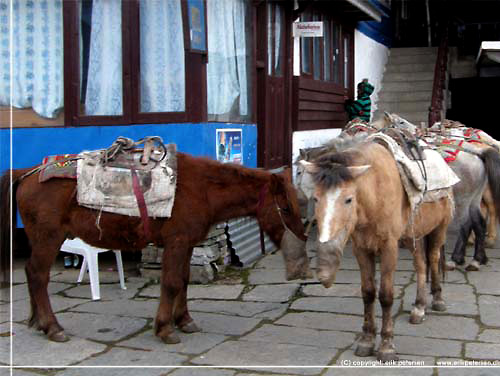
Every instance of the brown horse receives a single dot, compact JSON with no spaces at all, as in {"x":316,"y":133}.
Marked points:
{"x":208,"y":192}
{"x":359,"y":195}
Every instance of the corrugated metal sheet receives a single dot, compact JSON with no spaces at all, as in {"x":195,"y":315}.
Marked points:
{"x":244,"y":236}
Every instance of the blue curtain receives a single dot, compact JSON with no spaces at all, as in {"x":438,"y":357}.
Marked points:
{"x":162,"y":56}
{"x":36,"y":54}
{"x":227,"y":70}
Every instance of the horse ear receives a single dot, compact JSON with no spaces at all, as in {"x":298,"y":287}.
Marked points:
{"x":388,"y":116}
{"x":277,"y":183}
{"x":357,"y":171}
{"x":309,"y":167}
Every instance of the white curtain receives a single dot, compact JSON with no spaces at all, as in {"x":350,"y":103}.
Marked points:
{"x":227,"y":73}
{"x":104,"y":94}
{"x":162,"y":56}
{"x":277,"y":38}
{"x":36,"y":51}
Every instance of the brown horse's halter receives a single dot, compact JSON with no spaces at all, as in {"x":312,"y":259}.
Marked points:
{"x":260,"y":205}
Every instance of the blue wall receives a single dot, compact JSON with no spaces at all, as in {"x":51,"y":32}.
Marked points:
{"x":378,"y":31}
{"x":30,"y":145}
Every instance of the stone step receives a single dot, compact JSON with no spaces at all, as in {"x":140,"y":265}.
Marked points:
{"x":419,"y":106}
{"x":408,"y":76}
{"x":412,"y":117}
{"x":410,"y":67}
{"x":413,"y":51}
{"x":412,"y":59}
{"x":410,"y":96}
{"x":407,"y":86}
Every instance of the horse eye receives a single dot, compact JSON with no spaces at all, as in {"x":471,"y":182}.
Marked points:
{"x":285,"y":210}
{"x":349,"y":200}
{"x":315,"y":199}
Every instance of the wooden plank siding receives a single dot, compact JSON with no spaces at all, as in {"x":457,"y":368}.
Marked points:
{"x":27,"y":118}
{"x":317,"y":105}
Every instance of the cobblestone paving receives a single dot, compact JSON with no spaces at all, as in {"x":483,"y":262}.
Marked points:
{"x":254,"y":323}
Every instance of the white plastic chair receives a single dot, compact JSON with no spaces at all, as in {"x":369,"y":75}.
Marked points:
{"x":90,"y":263}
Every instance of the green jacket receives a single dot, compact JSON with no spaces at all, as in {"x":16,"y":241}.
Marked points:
{"x":361,"y":108}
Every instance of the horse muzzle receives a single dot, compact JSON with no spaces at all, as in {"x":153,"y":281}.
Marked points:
{"x":329,"y":258}
{"x":295,"y":256}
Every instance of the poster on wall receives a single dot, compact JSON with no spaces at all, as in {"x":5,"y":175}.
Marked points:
{"x":228,"y":146}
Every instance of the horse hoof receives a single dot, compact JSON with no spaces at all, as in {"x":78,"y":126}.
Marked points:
{"x":364,"y":349}
{"x":58,"y":337}
{"x":490,"y":242}
{"x":190,"y":327}
{"x":439,"y":306}
{"x":450,"y":265}
{"x":473,"y":266}
{"x":387,"y":356}
{"x":171,"y":339}
{"x":417,"y":316}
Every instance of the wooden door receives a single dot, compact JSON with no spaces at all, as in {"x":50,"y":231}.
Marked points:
{"x":273,"y":112}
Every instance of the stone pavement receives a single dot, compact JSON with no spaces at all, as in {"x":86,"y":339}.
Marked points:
{"x":252,"y":320}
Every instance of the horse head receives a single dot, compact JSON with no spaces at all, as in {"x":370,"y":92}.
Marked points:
{"x":396,"y":121}
{"x":335,"y":208}
{"x":279,"y":216}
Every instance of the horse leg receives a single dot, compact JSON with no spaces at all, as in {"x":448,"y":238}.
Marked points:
{"x":491,"y":214}
{"x":388,"y":261}
{"x":182,"y":318}
{"x":366,"y":344}
{"x":418,"y":312}
{"x":479,"y":226}
{"x":175,"y":256}
{"x":458,"y":256}
{"x":37,"y":270}
{"x":436,"y":240}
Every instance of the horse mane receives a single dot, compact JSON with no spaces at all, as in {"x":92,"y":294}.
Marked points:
{"x":332,"y":168}
{"x":345,"y":141}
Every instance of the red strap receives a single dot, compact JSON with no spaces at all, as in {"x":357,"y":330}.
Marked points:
{"x":141,"y":203}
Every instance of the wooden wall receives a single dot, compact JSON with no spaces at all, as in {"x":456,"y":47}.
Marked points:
{"x":27,"y":118}
{"x":317,"y":105}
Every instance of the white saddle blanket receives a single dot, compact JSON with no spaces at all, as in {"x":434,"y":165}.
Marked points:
{"x":438,"y":175}
{"x":110,"y":188}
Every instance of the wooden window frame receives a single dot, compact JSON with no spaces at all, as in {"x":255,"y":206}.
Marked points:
{"x":340,"y":36}
{"x":195,"y":73}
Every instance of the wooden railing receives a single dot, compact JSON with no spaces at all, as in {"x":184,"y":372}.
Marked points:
{"x":439,"y":80}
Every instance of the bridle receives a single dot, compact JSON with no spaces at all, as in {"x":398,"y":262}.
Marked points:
{"x":260,"y":205}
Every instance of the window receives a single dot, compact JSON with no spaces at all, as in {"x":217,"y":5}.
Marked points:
{"x":305,"y":51}
{"x":275,"y":42}
{"x":37,"y":56}
{"x":131,"y":64}
{"x":328,"y":58}
{"x":229,"y":70}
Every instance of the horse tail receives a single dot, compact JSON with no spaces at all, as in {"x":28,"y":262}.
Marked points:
{"x":8,"y":218}
{"x":491,"y":159}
